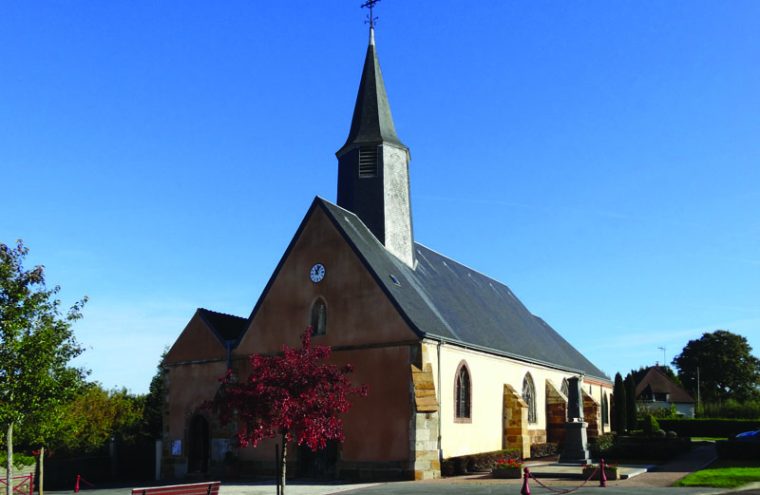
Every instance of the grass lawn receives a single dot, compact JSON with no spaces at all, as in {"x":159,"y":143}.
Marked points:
{"x":722,"y":477}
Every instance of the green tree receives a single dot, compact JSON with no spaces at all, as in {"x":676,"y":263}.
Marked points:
{"x":45,"y":427}
{"x":153,"y":412}
{"x":97,"y":415}
{"x":630,"y":401}
{"x":727,"y":368}
{"x":619,"y":405}
{"x":36,"y":347}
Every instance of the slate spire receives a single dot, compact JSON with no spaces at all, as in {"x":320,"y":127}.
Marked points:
{"x":372,"y":121}
{"x":373,"y":165}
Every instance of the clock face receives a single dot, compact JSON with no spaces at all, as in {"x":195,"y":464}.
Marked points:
{"x":317,"y":273}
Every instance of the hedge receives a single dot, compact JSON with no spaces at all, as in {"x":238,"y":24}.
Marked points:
{"x":735,"y":449}
{"x":473,"y":463}
{"x":641,"y":447}
{"x":709,"y":427}
{"x":548,"y":449}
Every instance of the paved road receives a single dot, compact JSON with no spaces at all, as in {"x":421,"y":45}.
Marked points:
{"x":652,"y":483}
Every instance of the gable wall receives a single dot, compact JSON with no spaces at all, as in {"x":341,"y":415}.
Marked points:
{"x":197,"y":342}
{"x":358,"y":312}
{"x":363,"y":328}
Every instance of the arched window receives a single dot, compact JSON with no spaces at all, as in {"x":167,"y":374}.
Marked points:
{"x":529,"y":396}
{"x":605,"y":409}
{"x":463,"y":393}
{"x":318,"y":320}
{"x":565,"y":387}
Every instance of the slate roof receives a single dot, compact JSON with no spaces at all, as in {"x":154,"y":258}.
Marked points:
{"x":445,"y":300}
{"x":372,"y":122}
{"x":226,"y":327}
{"x":657,"y":382}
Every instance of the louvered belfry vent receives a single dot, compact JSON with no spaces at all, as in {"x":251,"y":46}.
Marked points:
{"x":368,"y":161}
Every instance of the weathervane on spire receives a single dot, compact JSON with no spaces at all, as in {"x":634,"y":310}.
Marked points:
{"x":370,"y":4}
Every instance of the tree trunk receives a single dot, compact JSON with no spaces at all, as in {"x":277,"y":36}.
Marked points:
{"x":9,"y":464}
{"x":283,"y":464}
{"x":41,"y":480}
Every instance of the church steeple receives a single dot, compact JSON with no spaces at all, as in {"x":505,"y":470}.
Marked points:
{"x":373,"y":165}
{"x":372,"y":121}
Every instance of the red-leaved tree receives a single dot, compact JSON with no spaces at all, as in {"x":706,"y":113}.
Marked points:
{"x":295,"y":395}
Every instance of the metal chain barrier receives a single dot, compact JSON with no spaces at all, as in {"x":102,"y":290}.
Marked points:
{"x":526,"y":488}
{"x":80,"y":478}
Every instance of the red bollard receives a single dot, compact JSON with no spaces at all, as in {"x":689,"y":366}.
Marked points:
{"x":602,"y":475}
{"x":76,"y":485}
{"x":525,"y":488}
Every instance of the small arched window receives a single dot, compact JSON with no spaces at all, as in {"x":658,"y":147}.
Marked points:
{"x":529,"y":396}
{"x":318,"y":320}
{"x":565,"y":387}
{"x":605,"y":409}
{"x":463,"y":393}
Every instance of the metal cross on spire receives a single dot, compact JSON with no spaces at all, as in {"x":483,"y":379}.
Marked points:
{"x":370,"y":4}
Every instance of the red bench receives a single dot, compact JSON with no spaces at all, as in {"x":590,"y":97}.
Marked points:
{"x":204,"y":488}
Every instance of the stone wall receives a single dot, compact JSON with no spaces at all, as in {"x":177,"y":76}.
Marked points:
{"x":591,"y":415}
{"x":537,"y":436}
{"x":423,"y":433}
{"x":516,"y":434}
{"x":556,"y":413}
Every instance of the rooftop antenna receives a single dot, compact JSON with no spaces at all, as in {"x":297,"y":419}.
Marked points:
{"x":663,"y":356}
{"x":371,"y":18}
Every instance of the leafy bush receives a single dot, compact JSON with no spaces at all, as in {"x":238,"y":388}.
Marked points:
{"x":543,"y":449}
{"x":601,"y":445}
{"x":658,"y":412}
{"x":650,"y":425}
{"x":20,"y":461}
{"x":649,"y":448}
{"x":472,"y":463}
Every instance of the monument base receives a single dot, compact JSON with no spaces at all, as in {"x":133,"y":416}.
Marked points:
{"x":576,"y":444}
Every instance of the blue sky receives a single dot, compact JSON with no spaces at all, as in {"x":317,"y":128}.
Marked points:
{"x":602,"y":159}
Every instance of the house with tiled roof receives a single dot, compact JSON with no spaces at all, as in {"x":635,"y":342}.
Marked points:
{"x":454,"y":362}
{"x":656,"y":390}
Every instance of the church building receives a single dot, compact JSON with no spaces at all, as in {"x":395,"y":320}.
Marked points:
{"x":454,"y":362}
